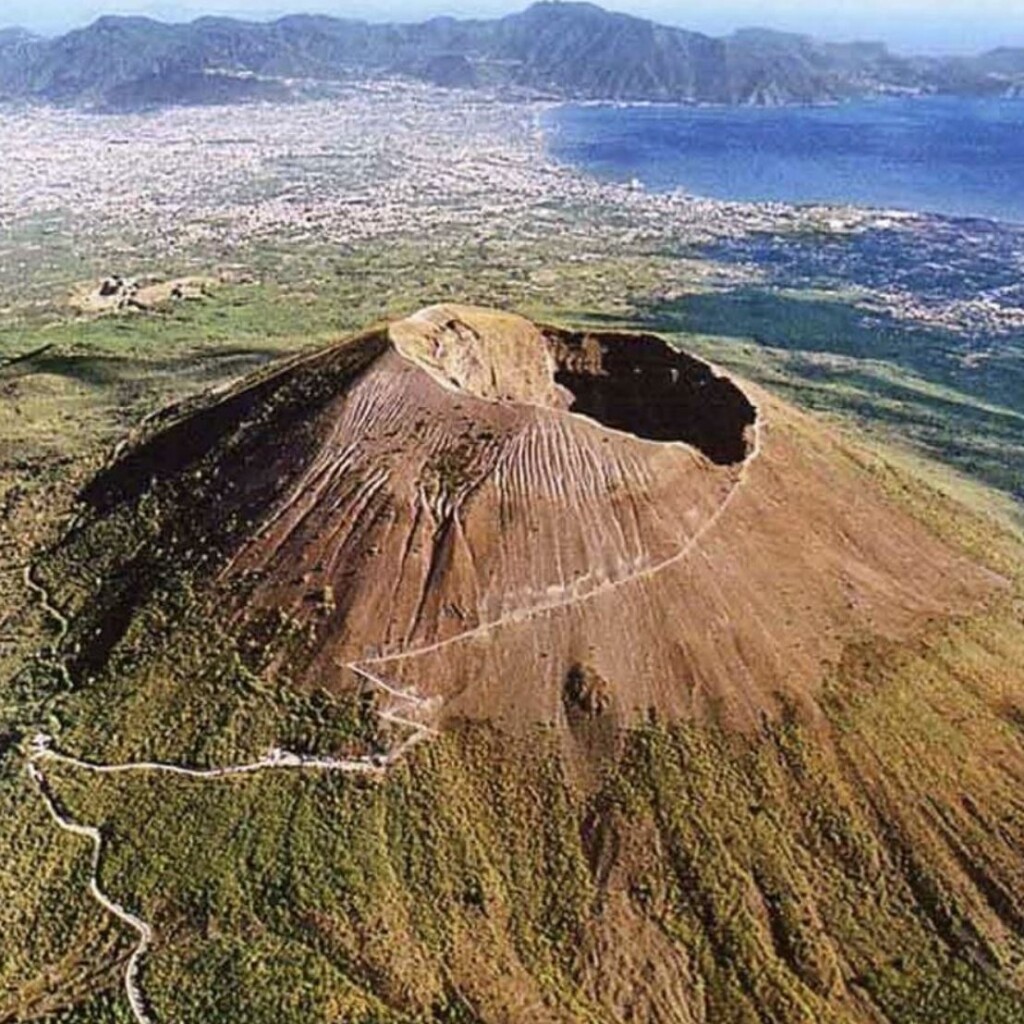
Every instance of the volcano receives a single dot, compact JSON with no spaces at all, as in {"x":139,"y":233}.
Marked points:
{"x":464,"y":501}
{"x":722,"y":715}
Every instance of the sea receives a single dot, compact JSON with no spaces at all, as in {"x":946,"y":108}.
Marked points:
{"x":949,"y":156}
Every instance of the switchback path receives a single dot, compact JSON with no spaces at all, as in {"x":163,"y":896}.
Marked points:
{"x":46,"y":602}
{"x":48,"y":606}
{"x":144,"y":931}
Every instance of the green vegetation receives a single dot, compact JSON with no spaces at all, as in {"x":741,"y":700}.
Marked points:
{"x":796,"y":877}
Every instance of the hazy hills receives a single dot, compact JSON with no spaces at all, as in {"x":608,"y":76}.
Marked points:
{"x":573,"y":50}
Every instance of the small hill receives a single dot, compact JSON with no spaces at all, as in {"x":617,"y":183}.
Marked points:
{"x":1003,"y":61}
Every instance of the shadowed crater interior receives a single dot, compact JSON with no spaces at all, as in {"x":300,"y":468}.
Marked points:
{"x":637,"y":383}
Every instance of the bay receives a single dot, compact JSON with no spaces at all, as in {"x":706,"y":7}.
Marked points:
{"x":946,"y":155}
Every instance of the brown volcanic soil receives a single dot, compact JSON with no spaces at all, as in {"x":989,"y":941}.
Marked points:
{"x":535,"y":525}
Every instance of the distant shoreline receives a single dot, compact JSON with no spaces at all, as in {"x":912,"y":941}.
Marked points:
{"x":597,"y":138}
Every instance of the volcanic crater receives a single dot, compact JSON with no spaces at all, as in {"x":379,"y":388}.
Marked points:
{"x":634,"y":383}
{"x":723,"y":724}
{"x":488,"y":511}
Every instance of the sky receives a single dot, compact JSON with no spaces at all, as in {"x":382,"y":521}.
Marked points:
{"x":918,"y":26}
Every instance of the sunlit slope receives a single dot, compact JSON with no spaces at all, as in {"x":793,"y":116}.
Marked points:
{"x":729,"y":713}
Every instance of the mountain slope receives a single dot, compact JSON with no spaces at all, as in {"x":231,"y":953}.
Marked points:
{"x":507,"y":524}
{"x":565,"y":49}
{"x":729,"y":714}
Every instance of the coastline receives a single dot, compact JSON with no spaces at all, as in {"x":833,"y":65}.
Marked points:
{"x":597,"y":138}
{"x":415,"y":167}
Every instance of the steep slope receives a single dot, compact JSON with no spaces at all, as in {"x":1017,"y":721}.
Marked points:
{"x":485,"y":493}
{"x":18,"y":52}
{"x":729,"y":714}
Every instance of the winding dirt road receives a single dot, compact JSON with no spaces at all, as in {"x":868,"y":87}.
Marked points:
{"x":144,"y":931}
{"x":41,"y":752}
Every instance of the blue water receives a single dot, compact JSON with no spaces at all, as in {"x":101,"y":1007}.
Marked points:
{"x":952,"y":156}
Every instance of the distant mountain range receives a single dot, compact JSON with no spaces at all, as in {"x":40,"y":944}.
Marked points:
{"x":565,"y":50}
